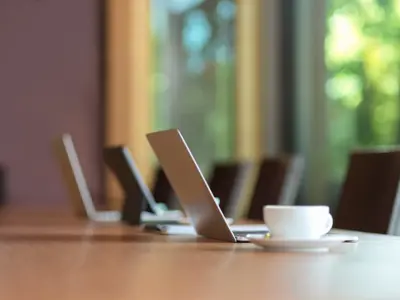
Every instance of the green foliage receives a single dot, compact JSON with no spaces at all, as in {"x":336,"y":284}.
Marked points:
{"x":363,"y":63}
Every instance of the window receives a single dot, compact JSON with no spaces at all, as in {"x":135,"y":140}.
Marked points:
{"x":193,"y":74}
{"x":363,"y":64}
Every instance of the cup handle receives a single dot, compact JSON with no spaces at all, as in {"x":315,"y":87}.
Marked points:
{"x":329,"y":224}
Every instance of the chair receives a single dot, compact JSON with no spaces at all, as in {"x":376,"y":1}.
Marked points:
{"x":369,"y":198}
{"x":277,"y":183}
{"x":3,"y":182}
{"x":162,"y":189}
{"x":227,"y":182}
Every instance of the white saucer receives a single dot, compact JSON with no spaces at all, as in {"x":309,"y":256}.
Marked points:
{"x":325,"y":242}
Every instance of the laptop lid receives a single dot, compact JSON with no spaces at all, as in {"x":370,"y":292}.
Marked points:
{"x":73,"y":175}
{"x":190,"y":185}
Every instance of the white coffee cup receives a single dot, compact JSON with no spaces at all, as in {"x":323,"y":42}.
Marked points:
{"x":297,"y":222}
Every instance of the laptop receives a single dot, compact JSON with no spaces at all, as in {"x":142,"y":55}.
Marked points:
{"x":193,"y":191}
{"x":137,"y":195}
{"x":80,"y":195}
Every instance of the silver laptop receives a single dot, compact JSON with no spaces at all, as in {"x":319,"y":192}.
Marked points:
{"x":193,"y":191}
{"x":83,"y":203}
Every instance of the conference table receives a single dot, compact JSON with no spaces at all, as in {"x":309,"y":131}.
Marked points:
{"x":53,"y":255}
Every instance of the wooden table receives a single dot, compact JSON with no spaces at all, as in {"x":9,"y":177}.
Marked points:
{"x":53,"y":256}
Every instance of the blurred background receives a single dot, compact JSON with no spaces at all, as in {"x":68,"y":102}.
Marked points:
{"x":241,"y":79}
{"x":335,"y":67}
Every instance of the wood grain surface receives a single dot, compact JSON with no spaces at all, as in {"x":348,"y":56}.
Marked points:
{"x":50,"y":255}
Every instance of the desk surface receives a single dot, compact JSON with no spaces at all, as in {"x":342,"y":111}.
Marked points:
{"x":53,"y":256}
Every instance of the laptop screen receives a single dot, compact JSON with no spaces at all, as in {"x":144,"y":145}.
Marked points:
{"x":189,"y":184}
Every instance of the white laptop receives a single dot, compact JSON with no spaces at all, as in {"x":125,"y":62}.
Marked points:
{"x":193,"y":191}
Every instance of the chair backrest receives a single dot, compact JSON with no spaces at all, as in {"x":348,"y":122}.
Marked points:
{"x":162,"y":189}
{"x":369,"y":197}
{"x":277,"y":183}
{"x":67,"y":157}
{"x":227,"y":182}
{"x":2,"y":185}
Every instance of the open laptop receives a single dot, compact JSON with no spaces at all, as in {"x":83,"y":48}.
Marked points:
{"x":80,"y":195}
{"x":193,"y":191}
{"x":137,"y":195}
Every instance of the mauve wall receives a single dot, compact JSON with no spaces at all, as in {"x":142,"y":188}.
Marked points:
{"x":49,"y":84}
